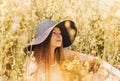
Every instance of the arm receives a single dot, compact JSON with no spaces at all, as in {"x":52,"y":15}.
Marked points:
{"x":28,"y":68}
{"x":110,"y":69}
{"x":94,"y":62}
{"x":69,"y":54}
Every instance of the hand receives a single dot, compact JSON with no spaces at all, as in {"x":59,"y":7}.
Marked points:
{"x":94,"y":65}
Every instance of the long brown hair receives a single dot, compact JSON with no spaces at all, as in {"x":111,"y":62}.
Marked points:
{"x":42,"y":53}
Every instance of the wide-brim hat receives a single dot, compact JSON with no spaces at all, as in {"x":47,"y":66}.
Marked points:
{"x":43,"y":29}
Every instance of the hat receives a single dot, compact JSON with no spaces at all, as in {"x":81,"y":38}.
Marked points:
{"x":43,"y":29}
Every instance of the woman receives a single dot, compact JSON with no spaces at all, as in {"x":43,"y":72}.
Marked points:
{"x":47,"y":48}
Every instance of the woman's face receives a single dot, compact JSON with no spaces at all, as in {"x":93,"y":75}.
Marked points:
{"x":56,"y":38}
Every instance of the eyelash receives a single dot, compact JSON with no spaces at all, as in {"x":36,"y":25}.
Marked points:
{"x":55,"y":33}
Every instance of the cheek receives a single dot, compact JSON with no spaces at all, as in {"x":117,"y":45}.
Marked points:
{"x":52,"y":40}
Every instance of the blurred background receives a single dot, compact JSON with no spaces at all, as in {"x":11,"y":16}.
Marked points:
{"x":97,"y":21}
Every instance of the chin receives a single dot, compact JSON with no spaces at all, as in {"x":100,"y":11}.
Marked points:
{"x":58,"y":45}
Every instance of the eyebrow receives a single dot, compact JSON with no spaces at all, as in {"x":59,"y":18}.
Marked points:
{"x":56,"y":30}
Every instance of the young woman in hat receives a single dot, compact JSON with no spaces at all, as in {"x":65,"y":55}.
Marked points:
{"x":48,"y":50}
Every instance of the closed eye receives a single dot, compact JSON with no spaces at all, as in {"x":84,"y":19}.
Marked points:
{"x":54,"y":32}
{"x":60,"y":33}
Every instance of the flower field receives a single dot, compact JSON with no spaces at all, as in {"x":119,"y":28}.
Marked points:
{"x":97,"y":21}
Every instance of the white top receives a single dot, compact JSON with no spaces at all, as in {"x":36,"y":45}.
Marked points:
{"x":55,"y":73}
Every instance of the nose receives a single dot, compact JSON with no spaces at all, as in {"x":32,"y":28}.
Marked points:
{"x":58,"y":35}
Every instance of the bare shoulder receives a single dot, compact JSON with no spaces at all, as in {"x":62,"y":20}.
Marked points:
{"x":69,"y":54}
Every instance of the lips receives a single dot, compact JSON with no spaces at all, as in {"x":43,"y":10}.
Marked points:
{"x":58,"y":40}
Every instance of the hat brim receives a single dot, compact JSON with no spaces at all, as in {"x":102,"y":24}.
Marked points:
{"x":65,"y":34}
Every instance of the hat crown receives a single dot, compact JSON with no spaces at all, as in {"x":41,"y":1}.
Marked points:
{"x":43,"y":26}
